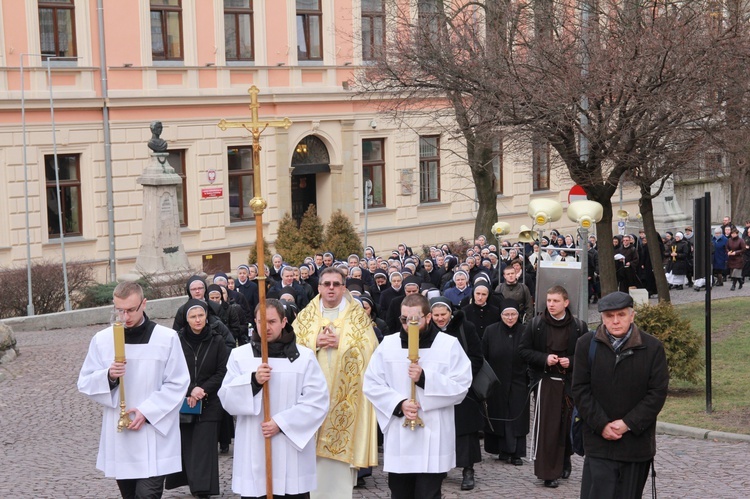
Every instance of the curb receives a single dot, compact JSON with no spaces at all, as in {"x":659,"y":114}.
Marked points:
{"x":699,"y":433}
{"x":163,"y":308}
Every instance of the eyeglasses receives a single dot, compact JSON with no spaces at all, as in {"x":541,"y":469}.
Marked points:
{"x":510,"y":314}
{"x":129,"y":311}
{"x":404,"y":319}
{"x":328,"y":284}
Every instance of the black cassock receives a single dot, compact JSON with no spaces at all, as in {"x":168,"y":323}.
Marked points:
{"x":510,"y":400}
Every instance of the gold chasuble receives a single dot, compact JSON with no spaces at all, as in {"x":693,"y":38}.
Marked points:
{"x":349,"y":432}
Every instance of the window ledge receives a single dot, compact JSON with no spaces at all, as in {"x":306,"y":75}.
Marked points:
{"x":543,"y":192}
{"x":379,"y":210}
{"x":432,"y":204}
{"x":241,"y":223}
{"x":168,"y":64}
{"x":69,"y":240}
{"x":310,"y":63}
{"x":188,"y":231}
{"x":240,"y":64}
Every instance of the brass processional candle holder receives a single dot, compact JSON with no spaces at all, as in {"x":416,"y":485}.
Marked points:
{"x":413,"y":341}
{"x":119,"y":334}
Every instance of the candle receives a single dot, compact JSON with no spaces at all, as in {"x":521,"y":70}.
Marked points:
{"x":413,"y":331}
{"x":119,"y":342}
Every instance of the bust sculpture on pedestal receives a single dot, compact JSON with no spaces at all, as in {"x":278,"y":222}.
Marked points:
{"x":161,"y":253}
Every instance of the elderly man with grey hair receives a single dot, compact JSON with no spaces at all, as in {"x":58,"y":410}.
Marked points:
{"x":620,"y":381}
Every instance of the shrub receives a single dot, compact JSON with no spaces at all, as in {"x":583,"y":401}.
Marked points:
{"x":681,"y":343}
{"x":48,"y":288}
{"x":290,"y":243}
{"x":340,"y":237}
{"x":97,"y":295}
{"x":311,"y":229}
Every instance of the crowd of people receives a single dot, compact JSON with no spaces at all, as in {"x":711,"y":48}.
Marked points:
{"x":339,"y":379}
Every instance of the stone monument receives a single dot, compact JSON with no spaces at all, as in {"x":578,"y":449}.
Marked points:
{"x":161,"y":253}
{"x":668,"y":215}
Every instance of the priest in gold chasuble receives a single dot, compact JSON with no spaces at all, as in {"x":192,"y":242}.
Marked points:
{"x":337,"y":328}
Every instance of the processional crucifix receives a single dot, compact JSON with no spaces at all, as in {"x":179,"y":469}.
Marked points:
{"x":256,"y":127}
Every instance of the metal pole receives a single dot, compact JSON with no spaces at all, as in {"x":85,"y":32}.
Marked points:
{"x":707,"y":261}
{"x":30,"y":304}
{"x":540,"y":235}
{"x":583,"y":303}
{"x":368,"y":190}
{"x":57,"y":184}
{"x":107,"y":144}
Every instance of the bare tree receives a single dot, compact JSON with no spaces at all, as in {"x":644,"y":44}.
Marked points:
{"x":615,"y":88}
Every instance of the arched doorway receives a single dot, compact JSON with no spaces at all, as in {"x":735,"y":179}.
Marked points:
{"x":310,"y":158}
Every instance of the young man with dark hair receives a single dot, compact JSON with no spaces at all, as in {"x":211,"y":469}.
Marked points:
{"x":417,"y":460}
{"x":299,"y":403}
{"x":548,"y":345}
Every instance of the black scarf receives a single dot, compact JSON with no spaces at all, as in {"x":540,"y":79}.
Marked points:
{"x":285,"y":346}
{"x":196,"y":339}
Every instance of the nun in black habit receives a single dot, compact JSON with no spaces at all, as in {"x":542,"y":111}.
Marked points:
{"x":206,"y":354}
{"x":508,"y":407}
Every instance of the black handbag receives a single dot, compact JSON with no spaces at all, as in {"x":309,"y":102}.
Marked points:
{"x":485,"y":381}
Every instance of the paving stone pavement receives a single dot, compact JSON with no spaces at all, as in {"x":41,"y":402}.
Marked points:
{"x":49,"y":436}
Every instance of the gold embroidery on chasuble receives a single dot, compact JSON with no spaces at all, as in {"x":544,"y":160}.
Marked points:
{"x":348,"y":433}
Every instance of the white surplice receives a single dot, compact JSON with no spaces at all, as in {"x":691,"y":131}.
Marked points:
{"x":447,"y":370}
{"x":156,"y":379}
{"x":299,"y":404}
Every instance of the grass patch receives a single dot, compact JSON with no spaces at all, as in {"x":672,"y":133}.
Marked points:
{"x":730,"y":345}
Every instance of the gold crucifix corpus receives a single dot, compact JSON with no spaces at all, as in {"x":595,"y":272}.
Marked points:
{"x":256,"y":127}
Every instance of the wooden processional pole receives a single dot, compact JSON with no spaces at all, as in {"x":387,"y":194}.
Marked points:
{"x":256,"y":127}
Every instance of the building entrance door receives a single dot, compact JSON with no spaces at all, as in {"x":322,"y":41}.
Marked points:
{"x":303,"y":195}
{"x":310,"y":158}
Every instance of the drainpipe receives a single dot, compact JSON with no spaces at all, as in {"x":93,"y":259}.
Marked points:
{"x":107,"y":143}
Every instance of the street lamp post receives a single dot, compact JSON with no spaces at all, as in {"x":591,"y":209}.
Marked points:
{"x":368,"y":190}
{"x":30,"y":304}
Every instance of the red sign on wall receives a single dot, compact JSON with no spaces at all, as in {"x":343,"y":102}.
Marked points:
{"x":212,"y":192}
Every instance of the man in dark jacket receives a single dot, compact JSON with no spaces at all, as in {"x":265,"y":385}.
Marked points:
{"x":618,"y":395}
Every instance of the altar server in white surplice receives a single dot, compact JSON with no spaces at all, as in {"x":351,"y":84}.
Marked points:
{"x":156,"y":378}
{"x":299,"y":404}
{"x":418,"y":460}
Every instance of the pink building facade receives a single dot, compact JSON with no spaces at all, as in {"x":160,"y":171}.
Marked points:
{"x":188,"y":64}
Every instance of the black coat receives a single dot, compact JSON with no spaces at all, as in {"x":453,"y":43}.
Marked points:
{"x":385,"y":300}
{"x":468,"y":413}
{"x":631,"y":386}
{"x":393,"y":315}
{"x":250,"y":291}
{"x":207,"y":364}
{"x":678,"y":264}
{"x":500,"y":347}
{"x":229,"y":316}
{"x":481,"y":317}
